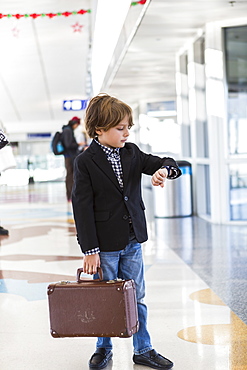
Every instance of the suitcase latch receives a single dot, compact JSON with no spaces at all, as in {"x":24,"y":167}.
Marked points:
{"x":114,"y":281}
{"x":63,"y":282}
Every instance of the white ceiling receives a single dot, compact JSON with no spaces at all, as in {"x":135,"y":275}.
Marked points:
{"x":43,"y":61}
{"x":148,"y":69}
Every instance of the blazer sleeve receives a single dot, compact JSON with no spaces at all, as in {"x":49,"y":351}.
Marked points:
{"x":151,"y":163}
{"x":82,"y":202}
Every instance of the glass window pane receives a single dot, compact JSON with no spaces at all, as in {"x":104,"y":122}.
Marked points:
{"x":236,"y":71}
{"x":199,"y":47}
{"x":237,"y":123}
{"x":203,"y":190}
{"x":238,"y":191}
{"x":184,"y":63}
{"x":236,"y":58}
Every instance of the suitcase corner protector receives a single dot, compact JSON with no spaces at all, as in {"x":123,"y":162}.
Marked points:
{"x":54,"y":334}
{"x":50,"y":289}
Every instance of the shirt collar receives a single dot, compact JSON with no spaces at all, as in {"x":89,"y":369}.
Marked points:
{"x":106,"y":149}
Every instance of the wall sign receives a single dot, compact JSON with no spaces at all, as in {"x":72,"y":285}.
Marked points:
{"x":74,"y":104}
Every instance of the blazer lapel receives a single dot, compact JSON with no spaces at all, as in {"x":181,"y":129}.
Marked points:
{"x":101,"y":161}
{"x":104,"y":165}
{"x":126,"y":159}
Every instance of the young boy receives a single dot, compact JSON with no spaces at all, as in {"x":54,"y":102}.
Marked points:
{"x":109,"y":212}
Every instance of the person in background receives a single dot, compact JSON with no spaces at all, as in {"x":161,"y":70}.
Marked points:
{"x":81,"y":138}
{"x":3,"y":142}
{"x":71,"y":150}
{"x":109,"y":212}
{"x":3,"y":231}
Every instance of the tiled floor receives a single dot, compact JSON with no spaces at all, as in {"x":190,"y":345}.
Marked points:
{"x":196,"y":287}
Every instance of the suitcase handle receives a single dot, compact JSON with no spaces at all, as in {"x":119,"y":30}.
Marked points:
{"x":80,"y":270}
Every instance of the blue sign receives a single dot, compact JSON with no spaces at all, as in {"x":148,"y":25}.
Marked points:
{"x":37,"y":135}
{"x":74,"y":104}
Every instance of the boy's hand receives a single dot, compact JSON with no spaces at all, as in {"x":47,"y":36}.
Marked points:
{"x":159,"y":177}
{"x":91,"y":264}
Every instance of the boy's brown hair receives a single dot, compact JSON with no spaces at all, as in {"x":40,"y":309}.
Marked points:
{"x":104,"y":112}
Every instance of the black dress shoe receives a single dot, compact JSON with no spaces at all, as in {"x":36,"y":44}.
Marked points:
{"x":3,"y":231}
{"x":100,"y":358}
{"x":153,"y":359}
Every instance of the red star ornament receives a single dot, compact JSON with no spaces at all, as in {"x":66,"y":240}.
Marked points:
{"x":15,"y":32}
{"x":77,"y":27}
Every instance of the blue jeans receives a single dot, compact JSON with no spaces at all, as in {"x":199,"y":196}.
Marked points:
{"x":128,"y":264}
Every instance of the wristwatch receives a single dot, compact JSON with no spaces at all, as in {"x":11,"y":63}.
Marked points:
{"x":168,"y":170}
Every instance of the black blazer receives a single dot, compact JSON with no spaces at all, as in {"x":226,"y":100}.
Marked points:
{"x":101,"y":209}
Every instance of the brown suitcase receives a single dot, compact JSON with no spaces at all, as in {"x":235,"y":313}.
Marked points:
{"x":93,"y":308}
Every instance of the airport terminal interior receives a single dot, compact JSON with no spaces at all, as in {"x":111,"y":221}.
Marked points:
{"x":182,"y":67}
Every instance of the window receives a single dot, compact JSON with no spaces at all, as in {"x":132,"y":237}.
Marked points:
{"x":236,"y":71}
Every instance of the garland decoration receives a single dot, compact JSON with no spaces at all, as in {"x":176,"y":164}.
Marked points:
{"x":42,"y":15}
{"x":59,"y":14}
{"x":141,"y":2}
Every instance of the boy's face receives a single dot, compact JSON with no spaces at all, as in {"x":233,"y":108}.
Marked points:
{"x":116,"y":136}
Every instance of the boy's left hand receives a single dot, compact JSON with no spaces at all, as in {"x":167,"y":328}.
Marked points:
{"x":159,"y":177}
